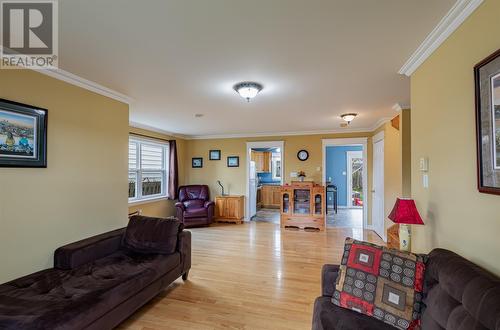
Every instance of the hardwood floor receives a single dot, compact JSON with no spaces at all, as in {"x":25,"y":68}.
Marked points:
{"x":250,"y":276}
{"x":351,"y":218}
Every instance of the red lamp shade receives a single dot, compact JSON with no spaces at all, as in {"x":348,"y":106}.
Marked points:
{"x":405,"y":212}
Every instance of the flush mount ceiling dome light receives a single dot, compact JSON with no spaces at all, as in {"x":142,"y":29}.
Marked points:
{"x":348,"y":117}
{"x":248,"y":90}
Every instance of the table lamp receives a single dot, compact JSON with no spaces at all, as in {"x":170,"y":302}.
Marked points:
{"x":405,"y":213}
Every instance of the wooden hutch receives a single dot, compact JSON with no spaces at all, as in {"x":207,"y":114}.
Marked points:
{"x":303,"y":205}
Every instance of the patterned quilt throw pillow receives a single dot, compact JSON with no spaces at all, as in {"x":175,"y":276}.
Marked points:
{"x":381,"y":282}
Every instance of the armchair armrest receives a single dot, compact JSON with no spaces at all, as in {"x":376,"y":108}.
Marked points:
{"x":209,"y":203}
{"x":329,"y":275}
{"x":180,"y":205}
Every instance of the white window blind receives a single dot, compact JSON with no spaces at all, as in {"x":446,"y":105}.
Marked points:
{"x":148,"y":169}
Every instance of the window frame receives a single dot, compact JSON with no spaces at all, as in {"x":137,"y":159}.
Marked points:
{"x":139,"y":172}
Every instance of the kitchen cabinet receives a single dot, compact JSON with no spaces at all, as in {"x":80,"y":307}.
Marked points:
{"x":271,"y":196}
{"x":229,"y":208}
{"x":259,"y":197}
{"x":262,"y":161}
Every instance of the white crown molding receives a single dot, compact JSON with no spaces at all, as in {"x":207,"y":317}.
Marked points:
{"x":379,"y":123}
{"x":460,"y":11}
{"x":85,"y":83}
{"x":398,"y":107}
{"x":157,"y":130}
{"x":73,"y":79}
{"x":271,"y":134}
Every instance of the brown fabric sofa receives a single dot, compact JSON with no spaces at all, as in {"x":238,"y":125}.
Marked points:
{"x":458,"y":295}
{"x":96,"y":283}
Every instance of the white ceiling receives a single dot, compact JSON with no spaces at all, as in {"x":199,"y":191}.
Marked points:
{"x":316,"y":59}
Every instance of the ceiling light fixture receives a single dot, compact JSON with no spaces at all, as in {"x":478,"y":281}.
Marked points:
{"x":248,"y":90}
{"x":348,"y":117}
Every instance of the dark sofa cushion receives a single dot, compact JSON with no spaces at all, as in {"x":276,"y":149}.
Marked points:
{"x":197,"y":212}
{"x":152,"y":235}
{"x":72,"y":299}
{"x":87,"y":250}
{"x":329,"y":275}
{"x":328,"y":316}
{"x":459,"y":294}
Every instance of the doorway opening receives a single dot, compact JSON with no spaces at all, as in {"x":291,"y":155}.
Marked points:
{"x":345,"y":178}
{"x":264,"y":180}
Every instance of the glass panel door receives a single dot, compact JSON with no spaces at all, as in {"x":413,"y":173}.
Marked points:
{"x":355,"y":179}
{"x":286,"y":203}
{"x":302,"y":204}
{"x":317,"y":204}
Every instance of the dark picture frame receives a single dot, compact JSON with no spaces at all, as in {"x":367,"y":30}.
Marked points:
{"x":487,"y":97}
{"x":233,"y":161}
{"x":214,"y":155}
{"x":197,"y":162}
{"x":23,"y":135}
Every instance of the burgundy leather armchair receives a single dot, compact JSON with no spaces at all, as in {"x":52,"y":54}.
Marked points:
{"x":194,"y":207}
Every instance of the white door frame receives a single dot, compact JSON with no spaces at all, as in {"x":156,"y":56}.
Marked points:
{"x":261,"y":144}
{"x":349,"y":156}
{"x":377,"y":138}
{"x":351,"y":142}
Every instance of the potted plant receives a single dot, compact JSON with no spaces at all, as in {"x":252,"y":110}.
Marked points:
{"x":301,"y":175}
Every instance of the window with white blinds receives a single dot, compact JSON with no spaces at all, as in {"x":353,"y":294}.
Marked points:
{"x":147,"y":169}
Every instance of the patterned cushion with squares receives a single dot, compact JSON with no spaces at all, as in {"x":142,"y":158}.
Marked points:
{"x":381,"y":282}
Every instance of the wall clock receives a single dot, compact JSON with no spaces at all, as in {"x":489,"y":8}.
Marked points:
{"x":303,"y":155}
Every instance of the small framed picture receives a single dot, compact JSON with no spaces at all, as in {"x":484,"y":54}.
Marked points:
{"x":214,"y":155}
{"x":23,"y":135}
{"x":233,"y":161}
{"x":197,"y":162}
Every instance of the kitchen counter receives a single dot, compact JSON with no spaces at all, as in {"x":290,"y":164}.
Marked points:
{"x":269,"y":184}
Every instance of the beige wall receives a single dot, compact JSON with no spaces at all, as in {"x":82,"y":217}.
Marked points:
{"x":82,"y":192}
{"x":163,"y":207}
{"x":234,"y":179}
{"x":456,"y":215}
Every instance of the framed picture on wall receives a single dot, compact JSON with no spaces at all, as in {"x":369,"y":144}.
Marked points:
{"x":214,"y":155}
{"x":233,"y":161}
{"x":197,"y":162}
{"x":487,"y":82}
{"x":23,"y":135}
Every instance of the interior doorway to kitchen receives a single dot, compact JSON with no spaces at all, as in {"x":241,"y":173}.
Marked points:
{"x":264,"y":180}
{"x":345,"y":178}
